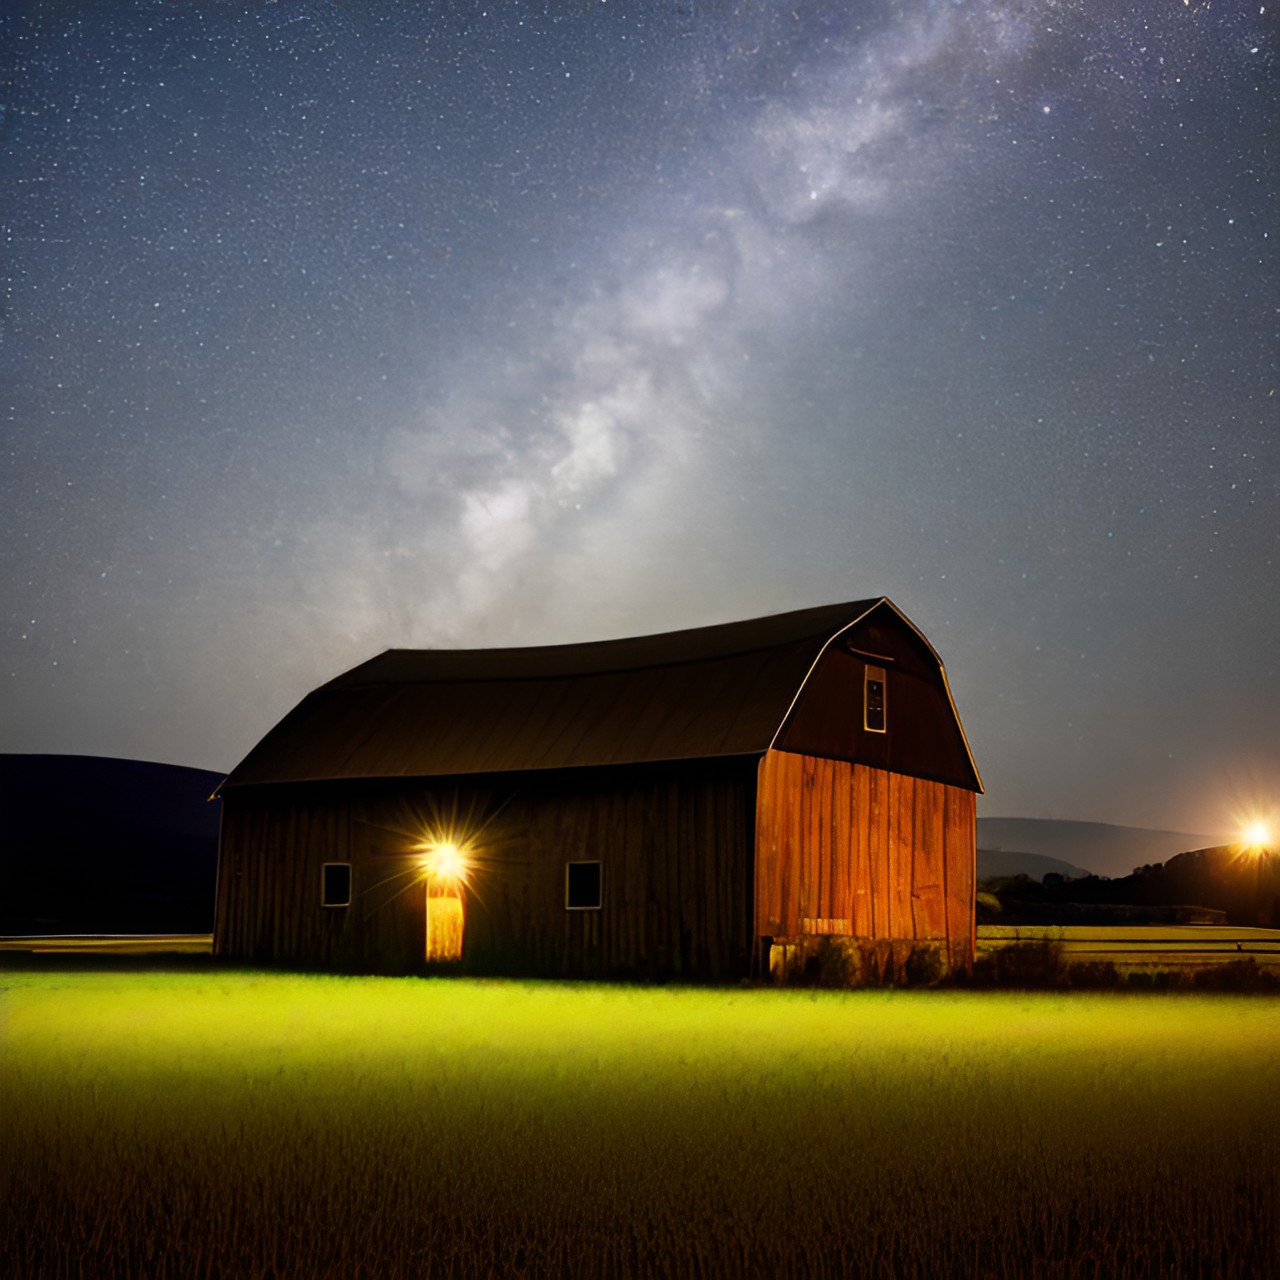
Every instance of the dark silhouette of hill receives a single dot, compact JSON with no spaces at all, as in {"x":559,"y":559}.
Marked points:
{"x":1010,"y":862}
{"x":95,"y":845}
{"x":1226,"y":882}
{"x":1099,"y":847}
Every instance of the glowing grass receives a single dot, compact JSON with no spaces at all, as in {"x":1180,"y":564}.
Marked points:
{"x":249,"y":1124}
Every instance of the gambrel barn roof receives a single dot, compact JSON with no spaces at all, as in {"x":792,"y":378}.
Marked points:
{"x":736,"y":689}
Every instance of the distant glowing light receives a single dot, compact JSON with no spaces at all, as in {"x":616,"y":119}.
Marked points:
{"x":1256,"y":835}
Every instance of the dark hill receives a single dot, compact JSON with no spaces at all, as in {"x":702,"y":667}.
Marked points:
{"x":95,"y":845}
{"x":997,"y":863}
{"x":1101,"y":847}
{"x":1244,"y":887}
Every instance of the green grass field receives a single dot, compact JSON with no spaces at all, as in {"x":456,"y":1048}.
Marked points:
{"x":219,"y":1123}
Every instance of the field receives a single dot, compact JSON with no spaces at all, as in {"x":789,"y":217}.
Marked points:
{"x":1178,"y":953}
{"x":219,"y":1123}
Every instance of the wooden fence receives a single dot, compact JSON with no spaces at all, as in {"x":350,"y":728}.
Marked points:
{"x":1140,"y":948}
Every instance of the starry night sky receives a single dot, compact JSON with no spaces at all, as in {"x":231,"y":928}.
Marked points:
{"x":332,"y":327}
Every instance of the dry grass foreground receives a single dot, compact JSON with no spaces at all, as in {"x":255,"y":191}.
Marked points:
{"x":244,"y":1124}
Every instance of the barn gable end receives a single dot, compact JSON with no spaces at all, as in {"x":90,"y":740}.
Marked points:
{"x":922,"y":736}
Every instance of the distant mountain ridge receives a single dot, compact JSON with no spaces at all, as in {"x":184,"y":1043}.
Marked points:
{"x":1005,"y":862}
{"x":1098,"y":848}
{"x":1226,"y":884}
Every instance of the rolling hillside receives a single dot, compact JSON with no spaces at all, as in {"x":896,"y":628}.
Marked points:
{"x":95,"y":845}
{"x":1085,"y":847}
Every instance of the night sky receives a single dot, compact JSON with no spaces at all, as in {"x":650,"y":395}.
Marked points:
{"x":333,"y":327}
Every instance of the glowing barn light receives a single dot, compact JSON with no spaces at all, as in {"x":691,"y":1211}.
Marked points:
{"x":445,"y":866}
{"x":445,"y":860}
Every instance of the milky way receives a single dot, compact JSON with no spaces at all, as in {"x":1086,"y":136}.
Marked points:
{"x":334,"y":328}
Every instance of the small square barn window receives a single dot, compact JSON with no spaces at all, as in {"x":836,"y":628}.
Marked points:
{"x":873,"y":700}
{"x":335,"y":884}
{"x":582,"y":886}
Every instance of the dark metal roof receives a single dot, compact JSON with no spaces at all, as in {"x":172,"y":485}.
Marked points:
{"x":708,"y":692}
{"x":669,"y":648}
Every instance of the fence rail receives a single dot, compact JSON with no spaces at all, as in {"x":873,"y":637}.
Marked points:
{"x":112,"y":944}
{"x":1140,"y":946}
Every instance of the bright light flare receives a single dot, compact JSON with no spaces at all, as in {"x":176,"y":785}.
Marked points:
{"x":1256,"y":835}
{"x":445,"y":860}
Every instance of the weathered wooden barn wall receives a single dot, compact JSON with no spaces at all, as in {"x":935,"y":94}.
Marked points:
{"x":846,"y":850}
{"x":269,"y":876}
{"x":675,"y":854}
{"x":674,"y":848}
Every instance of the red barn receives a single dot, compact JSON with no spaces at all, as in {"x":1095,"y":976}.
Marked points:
{"x":702,"y":805}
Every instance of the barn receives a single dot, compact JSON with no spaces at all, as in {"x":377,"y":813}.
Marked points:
{"x":753,"y":798}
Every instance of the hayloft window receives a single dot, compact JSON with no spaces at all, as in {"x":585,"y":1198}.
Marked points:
{"x":873,"y":700}
{"x":335,"y":884}
{"x":582,"y":882}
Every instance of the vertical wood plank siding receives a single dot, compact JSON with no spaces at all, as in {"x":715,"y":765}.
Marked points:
{"x":675,"y":880}
{"x":960,"y":832}
{"x":268,"y":907}
{"x":850,"y":850}
{"x":674,"y":848}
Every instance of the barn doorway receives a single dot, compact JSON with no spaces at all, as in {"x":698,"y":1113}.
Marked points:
{"x":446,"y":922}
